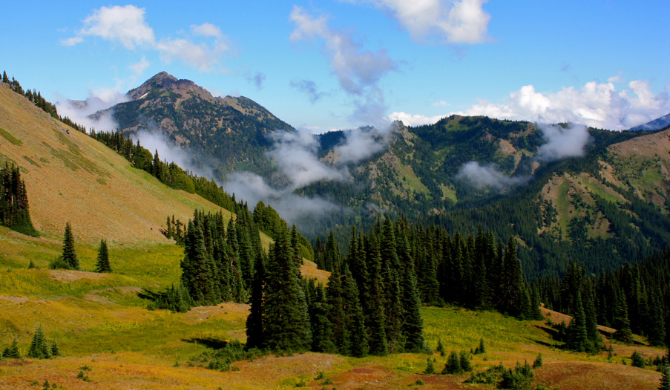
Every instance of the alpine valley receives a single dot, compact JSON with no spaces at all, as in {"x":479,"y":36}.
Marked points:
{"x":254,"y":255}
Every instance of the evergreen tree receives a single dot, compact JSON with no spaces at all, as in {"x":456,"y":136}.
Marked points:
{"x":656,"y":323}
{"x":430,"y":367}
{"x":453,"y":365}
{"x":285,"y":325}
{"x":665,"y":378}
{"x":102,"y":266}
{"x":255,"y":329}
{"x":39,"y":348}
{"x":322,"y":329}
{"x":513,"y":285}
{"x":621,"y":322}
{"x":69,"y":254}
{"x":465,"y":361}
{"x":12,"y":352}
{"x":412,"y":325}
{"x":577,"y":335}
{"x":374,"y":306}
{"x":440,"y":348}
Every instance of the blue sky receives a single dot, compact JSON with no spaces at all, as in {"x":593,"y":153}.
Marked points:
{"x":327,"y":65}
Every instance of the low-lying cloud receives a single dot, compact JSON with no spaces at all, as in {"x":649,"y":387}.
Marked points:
{"x":562,"y":142}
{"x":488,"y":175}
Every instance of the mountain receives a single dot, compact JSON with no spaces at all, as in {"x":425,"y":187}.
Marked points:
{"x":603,"y":208}
{"x":566,"y":192}
{"x":656,"y":124}
{"x":224,"y":133}
{"x":71,"y":177}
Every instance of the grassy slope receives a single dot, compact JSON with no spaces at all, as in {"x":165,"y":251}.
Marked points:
{"x":62,"y":170}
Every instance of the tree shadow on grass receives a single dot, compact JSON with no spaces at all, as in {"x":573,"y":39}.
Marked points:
{"x":208,"y":342}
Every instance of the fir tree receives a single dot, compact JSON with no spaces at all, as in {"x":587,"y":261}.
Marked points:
{"x":412,"y":324}
{"x":12,"y":352}
{"x":538,"y":361}
{"x":577,"y":335}
{"x":440,"y":348}
{"x":285,"y":325}
{"x":621,"y":322}
{"x":39,"y":348}
{"x":665,"y":378}
{"x":453,"y":365}
{"x":255,"y":330}
{"x":102,"y":266}
{"x":69,"y":255}
{"x":513,"y":285}
{"x":430,"y":367}
{"x":465,"y":361}
{"x":322,"y":329}
{"x":374,"y":306}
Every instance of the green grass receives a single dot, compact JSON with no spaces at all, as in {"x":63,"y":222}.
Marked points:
{"x":410,"y":180}
{"x":600,"y":191}
{"x":10,"y":137}
{"x":448,"y":192}
{"x":563,"y":206}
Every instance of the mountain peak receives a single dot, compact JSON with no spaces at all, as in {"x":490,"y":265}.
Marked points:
{"x":166,"y":81}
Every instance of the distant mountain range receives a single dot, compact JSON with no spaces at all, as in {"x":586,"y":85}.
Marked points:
{"x":565,"y":192}
{"x":656,"y":124}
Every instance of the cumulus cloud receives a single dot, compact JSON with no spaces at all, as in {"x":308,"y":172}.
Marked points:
{"x":488,"y":176}
{"x":562,"y":142}
{"x":414,"y":119}
{"x":309,"y":88}
{"x":197,"y":55}
{"x":360,"y":144}
{"x":207,"y":30}
{"x":598,"y":105}
{"x":450,"y":21}
{"x":358,"y":71}
{"x":127,"y":26}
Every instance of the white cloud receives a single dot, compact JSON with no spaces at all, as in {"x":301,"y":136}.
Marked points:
{"x":355,"y":68}
{"x":295,"y":155}
{"x":598,"y":105}
{"x":414,"y":119}
{"x":358,"y":70}
{"x":117,"y":24}
{"x":451,"y":21}
{"x":488,"y":175}
{"x":127,"y":26}
{"x":440,"y":103}
{"x":562,"y":142}
{"x":200,"y":56}
{"x":617,"y":79}
{"x":140,"y":67}
{"x":207,"y":30}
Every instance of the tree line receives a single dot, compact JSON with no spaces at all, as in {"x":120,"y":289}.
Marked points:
{"x":36,"y":98}
{"x":477,"y":271}
{"x":632,"y":299}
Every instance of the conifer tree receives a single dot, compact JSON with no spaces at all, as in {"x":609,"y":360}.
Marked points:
{"x":285,"y":324}
{"x":255,"y":329}
{"x":665,"y":378}
{"x":358,"y":338}
{"x":12,"y":352}
{"x":322,"y":329}
{"x":374,"y":307}
{"x":656,"y":323}
{"x":393,"y":294}
{"x":465,"y":361}
{"x":69,"y":254}
{"x":453,"y":365}
{"x":430,"y":367}
{"x":39,"y":348}
{"x":621,"y":322}
{"x":577,"y":335}
{"x":412,"y":324}
{"x":512,"y":282}
{"x":103,"y":266}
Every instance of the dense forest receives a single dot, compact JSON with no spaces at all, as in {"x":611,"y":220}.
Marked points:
{"x":634,"y":298}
